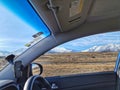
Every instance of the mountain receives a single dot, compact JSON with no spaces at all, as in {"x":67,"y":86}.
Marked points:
{"x":19,"y":51}
{"x":59,"y":50}
{"x":104,"y":48}
{"x":4,"y":53}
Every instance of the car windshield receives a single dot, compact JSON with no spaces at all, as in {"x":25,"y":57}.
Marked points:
{"x":20,"y":28}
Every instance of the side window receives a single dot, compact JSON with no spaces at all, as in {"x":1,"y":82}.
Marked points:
{"x":96,"y":53}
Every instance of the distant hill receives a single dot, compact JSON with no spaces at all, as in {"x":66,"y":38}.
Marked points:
{"x":19,"y":51}
{"x":4,"y":53}
{"x":104,"y":48}
{"x":59,"y":50}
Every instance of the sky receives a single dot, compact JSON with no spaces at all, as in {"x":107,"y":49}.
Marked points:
{"x":93,"y":40}
{"x":17,"y":25}
{"x":15,"y":32}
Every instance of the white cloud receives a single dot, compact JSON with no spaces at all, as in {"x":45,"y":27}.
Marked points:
{"x":14,"y":32}
{"x":104,"y":38}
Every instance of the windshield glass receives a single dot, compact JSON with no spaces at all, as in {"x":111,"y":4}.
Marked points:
{"x":20,"y":28}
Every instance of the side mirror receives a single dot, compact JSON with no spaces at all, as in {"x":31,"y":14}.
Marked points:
{"x":36,"y":68}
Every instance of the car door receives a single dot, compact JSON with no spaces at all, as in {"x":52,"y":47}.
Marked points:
{"x":66,"y":68}
{"x":94,"y":81}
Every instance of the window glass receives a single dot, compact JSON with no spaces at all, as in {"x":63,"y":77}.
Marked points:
{"x":94,"y":53}
{"x":20,"y":28}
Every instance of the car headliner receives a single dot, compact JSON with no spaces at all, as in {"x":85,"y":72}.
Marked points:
{"x":97,"y":16}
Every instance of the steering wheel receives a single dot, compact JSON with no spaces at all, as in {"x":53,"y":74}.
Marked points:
{"x":37,"y":83}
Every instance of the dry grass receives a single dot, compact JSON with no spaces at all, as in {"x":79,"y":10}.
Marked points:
{"x":74,"y":63}
{"x":2,"y":62}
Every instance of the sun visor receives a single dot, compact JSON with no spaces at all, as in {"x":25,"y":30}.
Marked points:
{"x":70,"y":13}
{"x":67,"y":13}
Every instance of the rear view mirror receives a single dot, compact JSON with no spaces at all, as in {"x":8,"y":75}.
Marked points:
{"x":37,"y":69}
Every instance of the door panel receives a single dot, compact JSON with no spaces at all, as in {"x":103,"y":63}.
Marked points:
{"x":93,"y":81}
{"x":8,"y":85}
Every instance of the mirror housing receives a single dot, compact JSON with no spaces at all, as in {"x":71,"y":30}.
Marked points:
{"x":36,"y":69}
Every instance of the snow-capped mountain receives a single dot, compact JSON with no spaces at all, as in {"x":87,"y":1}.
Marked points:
{"x":105,"y":48}
{"x":60,"y":50}
{"x":4,"y":53}
{"x":19,"y":51}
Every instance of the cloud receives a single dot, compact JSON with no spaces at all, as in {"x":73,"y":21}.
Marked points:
{"x":23,"y":33}
{"x":60,"y":50}
{"x":93,"y":40}
{"x":14,"y":33}
{"x":104,"y":38}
